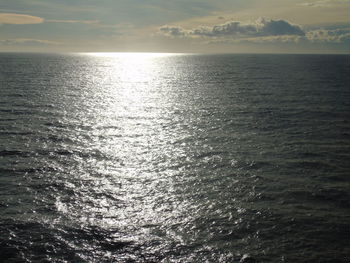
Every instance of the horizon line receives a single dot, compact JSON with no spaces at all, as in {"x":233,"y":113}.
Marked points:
{"x":176,"y":53}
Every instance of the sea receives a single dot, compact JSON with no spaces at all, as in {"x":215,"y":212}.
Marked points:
{"x":147,"y":157}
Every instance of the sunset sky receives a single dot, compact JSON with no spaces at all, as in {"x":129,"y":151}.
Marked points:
{"x":234,"y":26}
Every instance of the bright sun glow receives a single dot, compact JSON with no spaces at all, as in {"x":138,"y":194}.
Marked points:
{"x":139,"y":55}
{"x":132,"y":74}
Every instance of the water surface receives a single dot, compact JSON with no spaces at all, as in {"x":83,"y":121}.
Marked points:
{"x":174,"y":158}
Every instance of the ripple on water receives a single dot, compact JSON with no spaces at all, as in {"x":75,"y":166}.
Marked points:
{"x":177,"y":158}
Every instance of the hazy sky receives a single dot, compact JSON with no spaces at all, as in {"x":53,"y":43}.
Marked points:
{"x":316,"y":26}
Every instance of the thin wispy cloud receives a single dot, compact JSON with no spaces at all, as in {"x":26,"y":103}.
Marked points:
{"x":24,"y":19}
{"x":325,"y":3}
{"x":27,"y":41}
{"x":73,"y":21}
{"x":19,"y":19}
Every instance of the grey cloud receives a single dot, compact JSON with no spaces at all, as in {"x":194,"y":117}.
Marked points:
{"x":330,"y":36}
{"x":173,"y":31}
{"x":324,"y":3}
{"x":279,"y":27}
{"x":345,"y":38}
{"x":315,"y":4}
{"x":285,"y":39}
{"x":274,"y":39}
{"x":260,"y":28}
{"x":231,"y":28}
{"x":335,"y":36}
{"x":27,"y":42}
{"x":261,"y":31}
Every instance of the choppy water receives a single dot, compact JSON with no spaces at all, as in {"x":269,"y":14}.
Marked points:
{"x":174,"y":158}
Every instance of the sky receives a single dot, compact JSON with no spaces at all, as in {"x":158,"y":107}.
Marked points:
{"x":194,"y":26}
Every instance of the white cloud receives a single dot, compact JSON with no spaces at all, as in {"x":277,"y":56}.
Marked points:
{"x":19,"y":19}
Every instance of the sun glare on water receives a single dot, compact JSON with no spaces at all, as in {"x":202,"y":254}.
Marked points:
{"x":136,"y":55}
{"x":133,"y":70}
{"x":130,"y":102}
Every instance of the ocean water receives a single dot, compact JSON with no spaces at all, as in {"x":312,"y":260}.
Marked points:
{"x":174,"y":158}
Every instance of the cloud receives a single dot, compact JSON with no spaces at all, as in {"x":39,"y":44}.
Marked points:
{"x":324,"y":3}
{"x":279,"y":28}
{"x":345,"y":38}
{"x":27,"y":42}
{"x":261,"y":31}
{"x":173,"y":31}
{"x":286,"y":39}
{"x":329,"y":36}
{"x":315,"y":4}
{"x":260,"y":28}
{"x":74,"y":21}
{"x":274,"y":39}
{"x":19,"y":19}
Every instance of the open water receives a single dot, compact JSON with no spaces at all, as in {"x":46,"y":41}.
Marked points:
{"x":174,"y":158}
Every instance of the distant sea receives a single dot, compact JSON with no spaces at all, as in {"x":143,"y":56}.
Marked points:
{"x":174,"y":158}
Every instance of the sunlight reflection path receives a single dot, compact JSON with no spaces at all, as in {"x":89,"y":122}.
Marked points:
{"x":131,"y":184}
